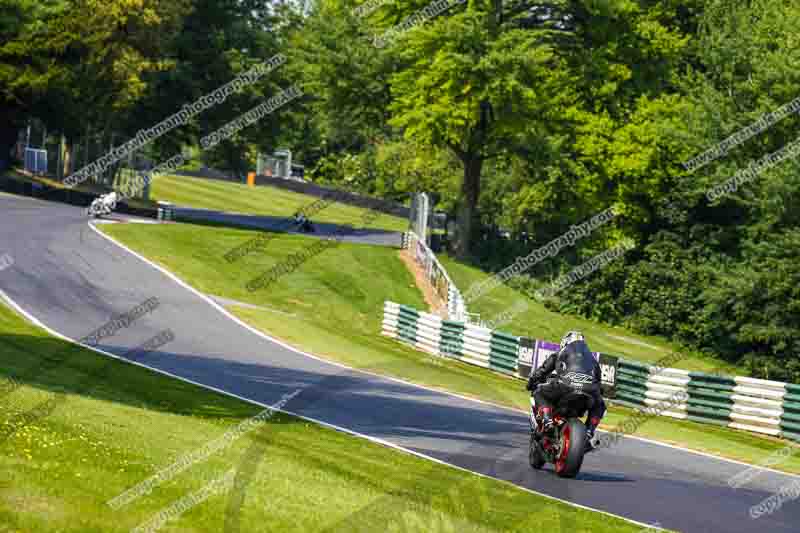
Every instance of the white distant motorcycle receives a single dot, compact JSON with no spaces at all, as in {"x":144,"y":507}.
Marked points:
{"x":103,"y":205}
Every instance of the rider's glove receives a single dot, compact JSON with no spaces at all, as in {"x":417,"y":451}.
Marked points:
{"x":531,"y":384}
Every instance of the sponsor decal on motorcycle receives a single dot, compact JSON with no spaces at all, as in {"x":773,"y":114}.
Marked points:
{"x":576,"y":378}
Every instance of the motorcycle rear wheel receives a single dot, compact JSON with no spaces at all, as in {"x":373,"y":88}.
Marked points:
{"x":570,"y":457}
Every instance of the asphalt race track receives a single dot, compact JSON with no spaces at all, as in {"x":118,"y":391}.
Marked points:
{"x":322,"y":229}
{"x":73,"y":280}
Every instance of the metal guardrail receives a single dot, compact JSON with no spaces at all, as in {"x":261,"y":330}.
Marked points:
{"x":437,"y":276}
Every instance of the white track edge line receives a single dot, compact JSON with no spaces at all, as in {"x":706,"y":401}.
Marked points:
{"x":370,"y":438}
{"x":390,"y":378}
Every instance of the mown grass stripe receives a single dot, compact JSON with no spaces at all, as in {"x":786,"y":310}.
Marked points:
{"x":706,"y":420}
{"x":702,"y":377}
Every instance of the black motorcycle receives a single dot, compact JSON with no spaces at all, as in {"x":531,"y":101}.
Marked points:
{"x":565,"y":443}
{"x":307,"y":227}
{"x":303,"y":224}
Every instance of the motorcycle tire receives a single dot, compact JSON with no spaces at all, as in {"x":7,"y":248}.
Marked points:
{"x":570,"y":456}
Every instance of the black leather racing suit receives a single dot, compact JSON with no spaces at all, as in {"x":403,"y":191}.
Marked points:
{"x":570,"y":367}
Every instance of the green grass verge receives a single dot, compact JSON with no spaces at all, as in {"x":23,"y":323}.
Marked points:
{"x":262,"y":200}
{"x":116,"y":424}
{"x":335,"y":305}
{"x":540,"y":323}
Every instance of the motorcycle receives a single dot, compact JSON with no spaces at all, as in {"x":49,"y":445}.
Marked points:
{"x":307,"y":227}
{"x":102,"y":205}
{"x":304,"y":224}
{"x":565,"y":444}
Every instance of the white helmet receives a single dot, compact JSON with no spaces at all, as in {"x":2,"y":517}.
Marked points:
{"x":570,"y":337}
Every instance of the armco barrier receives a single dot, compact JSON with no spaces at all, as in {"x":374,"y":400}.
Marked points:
{"x":400,"y":322}
{"x":710,"y":398}
{"x":477,"y":345}
{"x":451,"y":339}
{"x":755,"y":405}
{"x":390,"y":322}
{"x":790,"y":419}
{"x":503,"y":350}
{"x":407,"y":324}
{"x":632,"y":383}
{"x":428,"y":337}
{"x":437,"y":276}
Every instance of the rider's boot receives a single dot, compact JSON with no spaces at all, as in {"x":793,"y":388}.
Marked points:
{"x":591,"y":442}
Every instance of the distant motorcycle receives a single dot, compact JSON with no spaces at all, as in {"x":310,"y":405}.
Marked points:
{"x":565,"y":444}
{"x":304,"y":224}
{"x":102,"y":205}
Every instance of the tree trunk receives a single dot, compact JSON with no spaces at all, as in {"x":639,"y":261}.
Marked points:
{"x":8,"y":135}
{"x":468,"y":210}
{"x":67,"y":151}
{"x":8,"y":139}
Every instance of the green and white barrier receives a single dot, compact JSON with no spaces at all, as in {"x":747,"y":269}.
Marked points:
{"x":477,"y":345}
{"x":428,"y":333}
{"x":755,"y":405}
{"x":451,"y":339}
{"x":710,"y":398}
{"x":790,"y":418}
{"x":632,"y":383}
{"x":400,"y":322}
{"x":668,"y":387}
{"x":503,"y":350}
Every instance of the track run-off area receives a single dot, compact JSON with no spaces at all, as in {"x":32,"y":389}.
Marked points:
{"x":71,"y":278}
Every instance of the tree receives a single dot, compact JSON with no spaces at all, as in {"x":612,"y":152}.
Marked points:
{"x":474,"y":87}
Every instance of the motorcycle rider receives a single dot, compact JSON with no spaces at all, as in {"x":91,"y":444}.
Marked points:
{"x":300,"y":220}
{"x":110,"y":201}
{"x":104,"y":204}
{"x":572,"y":367}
